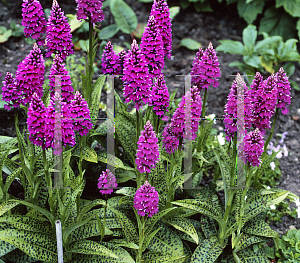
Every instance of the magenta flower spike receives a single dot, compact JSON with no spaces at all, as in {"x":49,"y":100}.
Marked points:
{"x":81,"y":114}
{"x":10,"y":93}
{"x":30,"y":75}
{"x":234,"y":103}
{"x":152,"y":47}
{"x":170,"y":141}
{"x":148,"y":151}
{"x":160,"y":98}
{"x":146,"y":200}
{"x":197,"y":70}
{"x":196,"y":110}
{"x":106,"y":182}
{"x":58,"y":70}
{"x":110,"y":61}
{"x":91,"y":9}
{"x":160,"y":11}
{"x":253,"y":147}
{"x":178,"y":120}
{"x":136,"y":77}
{"x":34,"y":21}
{"x":58,"y":35}
{"x":264,"y":100}
{"x":37,"y":121}
{"x":284,"y":94}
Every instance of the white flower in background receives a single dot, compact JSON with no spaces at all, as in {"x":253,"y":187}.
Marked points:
{"x":273,"y":207}
{"x":285,"y":151}
{"x":268,"y":187}
{"x":283,"y":137}
{"x":212,"y":117}
{"x":272,"y":164}
{"x":297,"y":202}
{"x":221,"y":138}
{"x":245,"y":197}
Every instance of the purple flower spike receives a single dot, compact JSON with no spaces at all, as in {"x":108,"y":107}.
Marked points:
{"x":33,"y":21}
{"x":146,"y":200}
{"x":160,"y":11}
{"x":196,"y":110}
{"x":91,"y":9}
{"x":30,"y":75}
{"x":264,"y":101}
{"x":136,"y":77}
{"x":197,"y":70}
{"x":284,"y":94}
{"x":81,"y":114}
{"x":58,"y":36}
{"x":235,"y":103}
{"x":148,"y":151}
{"x":170,"y":141}
{"x":59,"y":69}
{"x":152,"y":47}
{"x":253,"y":147}
{"x":37,"y":121}
{"x":10,"y":93}
{"x":161,"y":99}
{"x":110,"y":61}
{"x":106,"y":182}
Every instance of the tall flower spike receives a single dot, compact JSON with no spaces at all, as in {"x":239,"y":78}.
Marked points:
{"x":148,"y":151}
{"x":58,"y":70}
{"x":197,"y":70}
{"x":58,"y":36}
{"x":110,"y":61}
{"x":10,"y":93}
{"x":152,"y":47}
{"x":253,"y":147}
{"x":81,"y":114}
{"x":234,"y":101}
{"x":33,"y":21}
{"x":136,"y":77}
{"x":90,"y":8}
{"x":170,"y":141}
{"x":160,"y":97}
{"x":146,"y":200}
{"x":284,"y":94}
{"x":106,"y":182}
{"x":160,"y":11}
{"x":30,"y":75}
{"x":264,"y":101}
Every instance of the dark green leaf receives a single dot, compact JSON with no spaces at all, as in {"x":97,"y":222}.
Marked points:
{"x":190,"y":43}
{"x":249,"y":11}
{"x":232,"y":47}
{"x":291,"y":6}
{"x":109,"y":31}
{"x":249,"y":37}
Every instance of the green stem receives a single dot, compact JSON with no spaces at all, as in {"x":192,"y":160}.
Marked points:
{"x":141,"y":241}
{"x":48,"y":180}
{"x":103,"y":234}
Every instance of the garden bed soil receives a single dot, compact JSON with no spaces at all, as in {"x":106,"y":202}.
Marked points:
{"x":202,"y":27}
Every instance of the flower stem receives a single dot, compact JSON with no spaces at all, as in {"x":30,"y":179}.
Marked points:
{"x":141,"y":240}
{"x":48,"y":180}
{"x":105,"y":207}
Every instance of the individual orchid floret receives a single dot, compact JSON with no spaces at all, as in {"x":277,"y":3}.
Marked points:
{"x":58,"y":35}
{"x":264,"y":101}
{"x":90,"y":9}
{"x":146,"y":200}
{"x":170,"y":141}
{"x":283,"y":89}
{"x":33,"y":21}
{"x":110,"y":61}
{"x":30,"y":75}
{"x":161,"y":13}
{"x":253,"y":147}
{"x":136,"y":77}
{"x":37,"y":121}
{"x":81,"y":114}
{"x":197,"y":70}
{"x":152,"y":47}
{"x":148,"y":150}
{"x":106,"y":182}
{"x":59,"y":74}
{"x":10,"y":93}
{"x":238,"y":108}
{"x":160,"y":98}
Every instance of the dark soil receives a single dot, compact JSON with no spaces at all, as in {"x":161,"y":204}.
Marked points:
{"x":202,"y":27}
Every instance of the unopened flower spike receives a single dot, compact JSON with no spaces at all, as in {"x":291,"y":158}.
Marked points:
{"x":91,"y":9}
{"x":106,"y":182}
{"x":110,"y":61}
{"x":146,"y":200}
{"x":152,"y":47}
{"x":283,"y":89}
{"x":137,"y":84}
{"x":34,"y":21}
{"x":59,"y":73}
{"x":58,"y":35}
{"x":148,"y":150}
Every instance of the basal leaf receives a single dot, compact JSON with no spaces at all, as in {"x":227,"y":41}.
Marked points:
{"x":97,"y":90}
{"x":246,"y":241}
{"x":250,"y":256}
{"x":249,"y":37}
{"x":156,"y":257}
{"x":89,"y":154}
{"x":208,"y":226}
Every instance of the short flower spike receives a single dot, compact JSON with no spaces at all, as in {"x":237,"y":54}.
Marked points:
{"x":106,"y":182}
